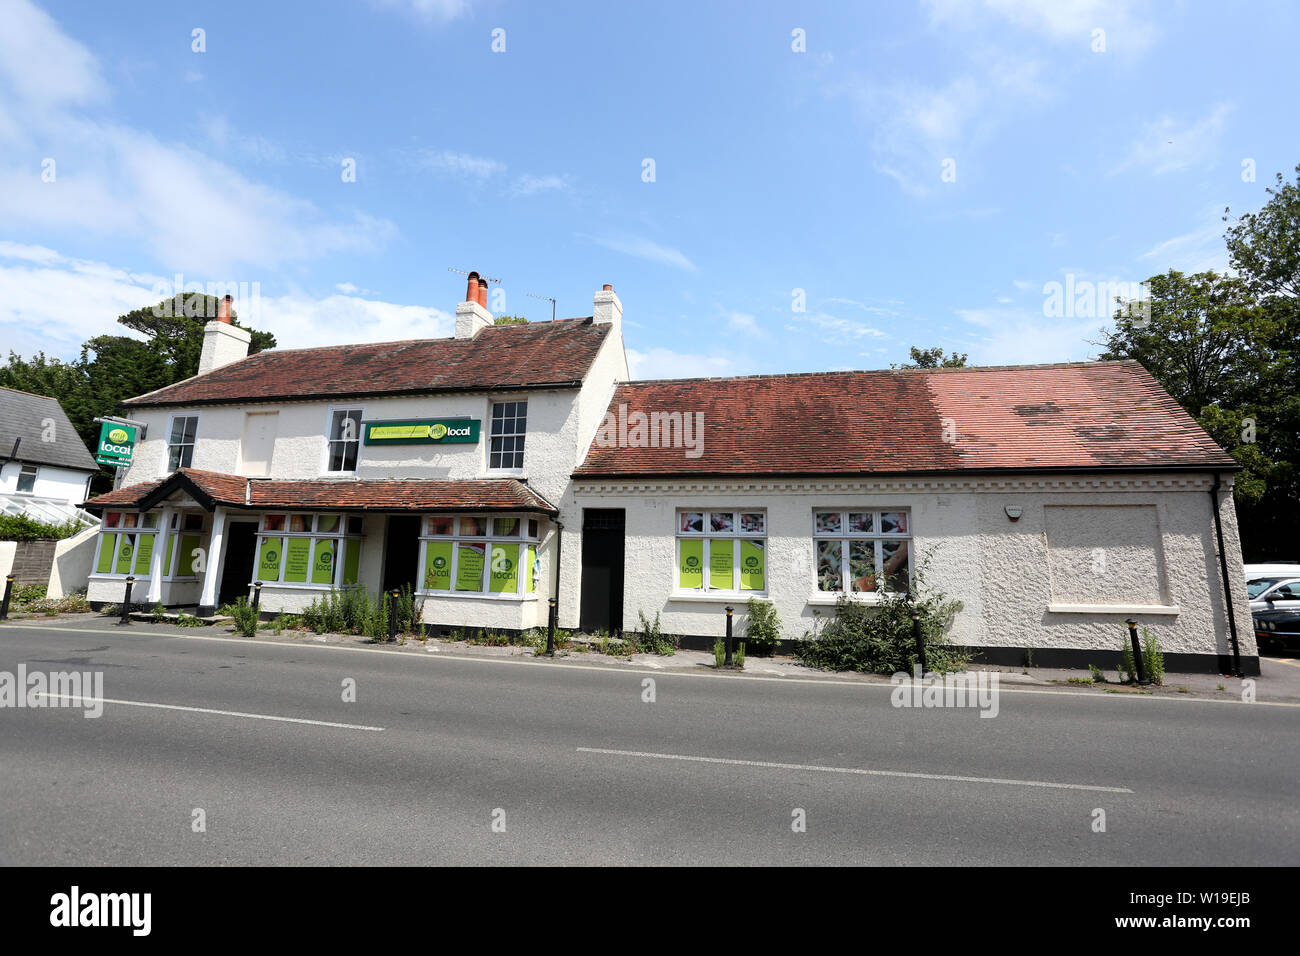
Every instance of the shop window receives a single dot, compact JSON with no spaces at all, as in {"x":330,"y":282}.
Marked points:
{"x":344,"y":439}
{"x":27,"y":480}
{"x":475,"y":554}
{"x":862,"y":551}
{"x":303,"y":550}
{"x":509,"y":425}
{"x":127,"y":542}
{"x":180,"y":441}
{"x":722,"y":550}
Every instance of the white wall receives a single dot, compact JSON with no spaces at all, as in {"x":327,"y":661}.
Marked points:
{"x":64,"y":484}
{"x":73,"y":559}
{"x":1000,"y":569}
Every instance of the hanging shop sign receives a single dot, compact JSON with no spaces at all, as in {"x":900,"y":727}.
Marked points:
{"x":423,"y":431}
{"x":116,"y":444}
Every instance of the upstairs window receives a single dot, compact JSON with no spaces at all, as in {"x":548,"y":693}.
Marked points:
{"x":27,"y":480}
{"x":509,"y":424}
{"x":180,"y":441}
{"x":344,"y":439}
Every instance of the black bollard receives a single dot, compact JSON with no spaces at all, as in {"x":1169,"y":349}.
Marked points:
{"x":126,"y":600}
{"x":729,"y":662}
{"x":1137,"y":652}
{"x":257,"y":594}
{"x":393,"y":595}
{"x":919,"y":637}
{"x":550,"y":627}
{"x":4,"y":602}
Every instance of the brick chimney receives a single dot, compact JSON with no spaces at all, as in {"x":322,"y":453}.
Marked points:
{"x":223,"y":341}
{"x":472,"y":315}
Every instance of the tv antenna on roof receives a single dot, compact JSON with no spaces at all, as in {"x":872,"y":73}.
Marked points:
{"x":479,"y":274}
{"x":546,"y":298}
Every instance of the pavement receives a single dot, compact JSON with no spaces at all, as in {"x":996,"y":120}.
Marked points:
{"x":455,"y":754}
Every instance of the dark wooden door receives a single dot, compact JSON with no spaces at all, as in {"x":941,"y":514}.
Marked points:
{"x":241,"y":558}
{"x":602,"y":570}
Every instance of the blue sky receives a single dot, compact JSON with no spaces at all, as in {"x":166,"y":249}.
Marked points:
{"x":920,"y":170}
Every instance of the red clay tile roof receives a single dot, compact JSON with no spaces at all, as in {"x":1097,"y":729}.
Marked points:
{"x":1102,"y":415}
{"x":212,"y":488}
{"x":534,"y":355}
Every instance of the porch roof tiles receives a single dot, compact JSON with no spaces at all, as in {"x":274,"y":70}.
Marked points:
{"x":382,"y":494}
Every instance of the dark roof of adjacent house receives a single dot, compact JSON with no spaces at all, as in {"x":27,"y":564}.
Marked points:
{"x":533,"y":355}
{"x":27,"y":417}
{"x":211,"y":488}
{"x":1077,"y":416}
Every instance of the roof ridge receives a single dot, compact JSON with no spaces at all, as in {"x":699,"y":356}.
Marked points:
{"x":880,"y":371}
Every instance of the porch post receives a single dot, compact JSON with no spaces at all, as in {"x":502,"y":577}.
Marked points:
{"x":212,"y":564}
{"x":154,"y":593}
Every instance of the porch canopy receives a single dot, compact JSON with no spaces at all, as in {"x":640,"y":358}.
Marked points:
{"x":210,"y":489}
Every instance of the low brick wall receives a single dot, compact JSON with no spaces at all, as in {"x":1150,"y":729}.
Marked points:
{"x":33,"y":561}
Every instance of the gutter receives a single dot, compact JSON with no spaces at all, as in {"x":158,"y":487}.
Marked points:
{"x":1227,"y":582}
{"x":559,"y":551}
{"x":934,"y":473}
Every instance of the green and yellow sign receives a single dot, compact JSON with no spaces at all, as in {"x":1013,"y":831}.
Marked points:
{"x":116,"y":444}
{"x":423,"y":431}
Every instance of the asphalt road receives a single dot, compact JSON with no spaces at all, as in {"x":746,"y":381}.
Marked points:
{"x":581,"y":770}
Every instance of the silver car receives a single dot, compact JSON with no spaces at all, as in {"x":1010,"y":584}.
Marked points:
{"x":1274,"y":592}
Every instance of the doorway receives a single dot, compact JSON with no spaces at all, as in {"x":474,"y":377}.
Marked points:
{"x":241,"y":556}
{"x":602,"y":570}
{"x":401,"y":551}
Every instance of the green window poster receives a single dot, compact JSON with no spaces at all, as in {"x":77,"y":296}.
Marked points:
{"x":690,"y":564}
{"x":107,"y":548}
{"x":268,"y":559}
{"x":752,"y":566}
{"x":351,"y":561}
{"x":144,"y":553}
{"x":322,"y":562}
{"x":722,"y":559}
{"x":185,"y":566}
{"x":530,"y":556}
{"x":167,"y":558}
{"x":125,"y":548}
{"x":297,"y":554}
{"x":437,"y":566}
{"x":469,"y":566}
{"x":505,"y":569}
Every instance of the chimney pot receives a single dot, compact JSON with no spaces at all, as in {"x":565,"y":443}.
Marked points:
{"x":482,"y":292}
{"x":223,"y":310}
{"x":471,"y":291}
{"x":608,"y":287}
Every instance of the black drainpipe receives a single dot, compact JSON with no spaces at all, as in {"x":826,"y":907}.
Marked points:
{"x":1227,"y":582}
{"x":559,"y":550}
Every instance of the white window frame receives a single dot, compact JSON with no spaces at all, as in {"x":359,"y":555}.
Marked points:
{"x":329,"y":442}
{"x":22,"y":468}
{"x":342,"y":537}
{"x":160,"y":538}
{"x":492,"y":404}
{"x":168,"y":446}
{"x":522,"y":540}
{"x":735,"y":536}
{"x":846,"y":538}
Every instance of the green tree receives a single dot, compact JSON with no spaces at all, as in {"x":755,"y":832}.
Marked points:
{"x":112,"y":368}
{"x":510,"y":320}
{"x":933,"y":358}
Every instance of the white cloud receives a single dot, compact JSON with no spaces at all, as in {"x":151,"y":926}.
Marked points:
{"x":665,"y":363}
{"x":53,"y":303}
{"x":194,"y":212}
{"x":741,"y":322}
{"x":1128,"y":24}
{"x":841,"y":329}
{"x":1167,"y":146}
{"x":1199,"y":250}
{"x":528,"y":184}
{"x":646,"y":249}
{"x":1020,"y":336}
{"x":44,"y":66}
{"x":452,"y":163}
{"x":429,"y":11}
{"x":347,"y":288}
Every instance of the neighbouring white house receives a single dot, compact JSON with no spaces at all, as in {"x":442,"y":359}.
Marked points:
{"x":506,"y":467}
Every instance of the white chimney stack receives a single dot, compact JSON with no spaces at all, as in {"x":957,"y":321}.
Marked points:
{"x":223,"y":342}
{"x":472,"y":315}
{"x":608,"y":309}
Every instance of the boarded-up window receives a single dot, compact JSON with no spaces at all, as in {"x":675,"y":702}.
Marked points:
{"x":1105,"y":554}
{"x":259,"y":442}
